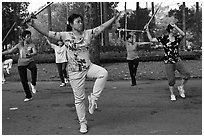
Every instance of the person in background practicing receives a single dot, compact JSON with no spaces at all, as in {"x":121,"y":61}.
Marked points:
{"x":60,"y":59}
{"x":26,"y":51}
{"x":3,"y":75}
{"x":7,"y":65}
{"x":132,"y":56}
{"x":171,"y":41}
{"x":78,"y":42}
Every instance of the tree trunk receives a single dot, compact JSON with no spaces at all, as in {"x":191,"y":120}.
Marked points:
{"x":153,"y":20}
{"x":198,"y":24}
{"x":125,"y":23}
{"x":49,"y":18}
{"x":137,"y":19}
{"x":105,"y":18}
{"x":184,"y":25}
{"x":92,"y":20}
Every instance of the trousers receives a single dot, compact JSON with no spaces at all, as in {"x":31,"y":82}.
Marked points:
{"x":132,"y":65}
{"x":170,"y":72}
{"x":77,"y":82}
{"x":24,"y":79}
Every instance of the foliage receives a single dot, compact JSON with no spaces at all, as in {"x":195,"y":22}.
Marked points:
{"x":12,"y":12}
{"x":191,"y":22}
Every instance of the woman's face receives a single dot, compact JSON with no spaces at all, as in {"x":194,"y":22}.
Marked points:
{"x":129,"y":39}
{"x":78,"y":24}
{"x":27,"y":38}
{"x":60,"y":43}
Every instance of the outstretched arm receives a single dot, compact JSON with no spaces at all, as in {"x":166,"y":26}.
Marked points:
{"x":12,"y":50}
{"x":48,"y":41}
{"x":144,"y":43}
{"x":37,"y":27}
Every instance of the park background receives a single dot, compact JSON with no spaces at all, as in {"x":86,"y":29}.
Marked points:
{"x":108,"y":49}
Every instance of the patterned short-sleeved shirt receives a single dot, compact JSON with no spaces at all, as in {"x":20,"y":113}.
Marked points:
{"x":77,"y":49}
{"x":171,"y":49}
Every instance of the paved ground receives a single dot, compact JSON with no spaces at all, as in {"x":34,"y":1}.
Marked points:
{"x":123,"y":110}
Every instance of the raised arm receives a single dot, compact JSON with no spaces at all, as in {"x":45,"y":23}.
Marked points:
{"x":37,"y":27}
{"x":149,"y":35}
{"x":105,"y":25}
{"x":48,"y":41}
{"x":178,"y":29}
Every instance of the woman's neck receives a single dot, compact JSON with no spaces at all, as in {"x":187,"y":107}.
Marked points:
{"x":77,"y":33}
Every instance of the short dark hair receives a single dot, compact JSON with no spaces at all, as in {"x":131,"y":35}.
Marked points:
{"x":169,"y":27}
{"x":25,"y":32}
{"x":71,"y":20}
{"x":128,"y":36}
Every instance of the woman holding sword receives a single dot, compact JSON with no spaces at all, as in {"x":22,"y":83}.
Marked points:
{"x":171,"y":41}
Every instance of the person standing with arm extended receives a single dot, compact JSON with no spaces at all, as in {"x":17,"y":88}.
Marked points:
{"x":172,"y":60}
{"x":60,"y":59}
{"x":26,"y":51}
{"x":78,"y":41}
{"x":133,"y":57}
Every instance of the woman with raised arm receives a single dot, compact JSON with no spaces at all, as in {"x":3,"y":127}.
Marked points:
{"x":171,"y":41}
{"x":60,"y":60}
{"x":78,"y":41}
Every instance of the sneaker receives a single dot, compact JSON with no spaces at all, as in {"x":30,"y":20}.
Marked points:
{"x":7,"y":71}
{"x":181,"y":91}
{"x":66,"y":80}
{"x":83,"y":128}
{"x":33,"y":89}
{"x":173,"y":97}
{"x":27,"y":99}
{"x":3,"y":81}
{"x":92,"y":104}
{"x":62,"y":85}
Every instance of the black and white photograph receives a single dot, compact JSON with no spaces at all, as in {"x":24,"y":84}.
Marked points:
{"x":101,"y":68}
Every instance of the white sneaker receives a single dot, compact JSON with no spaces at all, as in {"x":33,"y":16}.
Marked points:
{"x":7,"y":71}
{"x":33,"y":89}
{"x":181,"y":91}
{"x":3,"y":81}
{"x":173,"y":97}
{"x":92,"y":104}
{"x":83,"y":128}
{"x":66,"y":80}
{"x":62,"y":85}
{"x":27,"y":99}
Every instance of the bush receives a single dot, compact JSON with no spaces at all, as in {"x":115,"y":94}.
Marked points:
{"x":120,"y":56}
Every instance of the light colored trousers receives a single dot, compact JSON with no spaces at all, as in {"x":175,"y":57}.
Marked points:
{"x":170,"y":71}
{"x":77,"y":81}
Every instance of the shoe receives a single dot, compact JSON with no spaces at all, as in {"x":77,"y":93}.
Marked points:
{"x":33,"y":89}
{"x":62,"y":85}
{"x":27,"y":99}
{"x":92,"y":104}
{"x":173,"y":97}
{"x":83,"y":128}
{"x":7,"y":71}
{"x":66,"y":80}
{"x":181,"y":91}
{"x":133,"y":84}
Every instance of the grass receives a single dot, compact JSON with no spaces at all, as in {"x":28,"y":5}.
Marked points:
{"x":117,"y":71}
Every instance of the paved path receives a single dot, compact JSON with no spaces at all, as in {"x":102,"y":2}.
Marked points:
{"x":123,"y":110}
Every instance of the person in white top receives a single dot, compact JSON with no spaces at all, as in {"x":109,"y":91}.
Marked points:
{"x":78,"y":41}
{"x":60,"y":59}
